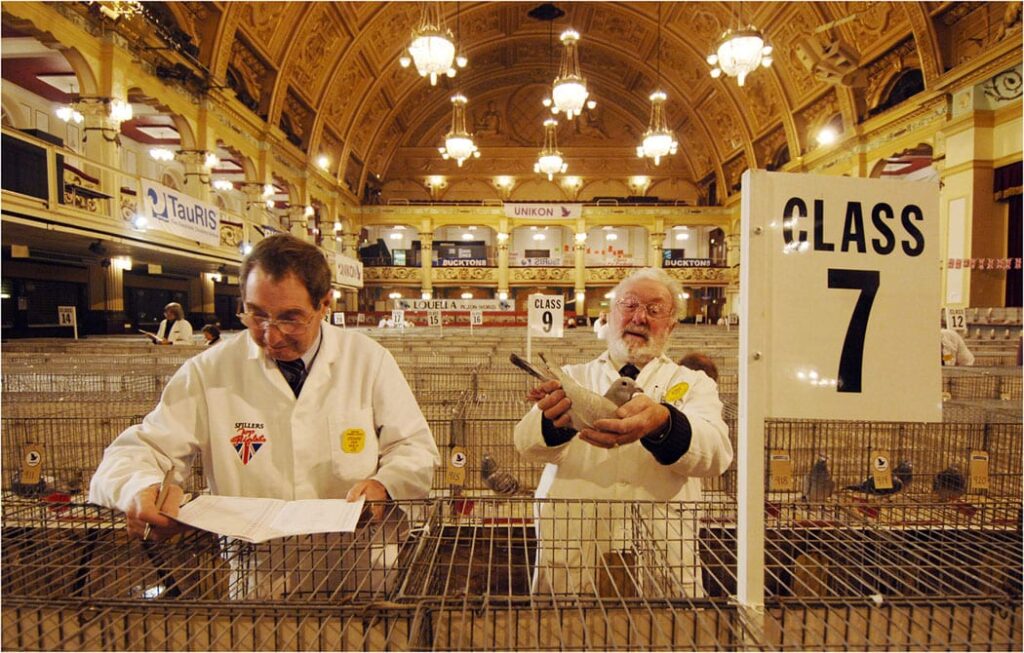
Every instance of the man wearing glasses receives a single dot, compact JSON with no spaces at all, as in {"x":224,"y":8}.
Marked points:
{"x":296,"y":410}
{"x":656,"y":450}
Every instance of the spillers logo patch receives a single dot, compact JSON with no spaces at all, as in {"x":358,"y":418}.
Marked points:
{"x":248,"y":440}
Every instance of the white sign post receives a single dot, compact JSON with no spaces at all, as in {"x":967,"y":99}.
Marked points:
{"x":434,"y":318}
{"x":476,"y":318}
{"x":545,"y":319}
{"x":839,"y":286}
{"x":398,"y":318}
{"x":339,"y":319}
{"x":956,"y":319}
{"x":68,"y":316}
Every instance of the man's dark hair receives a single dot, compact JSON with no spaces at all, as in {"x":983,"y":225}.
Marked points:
{"x":284,"y":254}
{"x":698,"y":361}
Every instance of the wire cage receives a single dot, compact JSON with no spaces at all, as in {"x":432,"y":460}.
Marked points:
{"x":113,"y":381}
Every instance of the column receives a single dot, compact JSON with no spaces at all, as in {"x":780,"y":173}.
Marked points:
{"x":350,"y":247}
{"x":426,"y":264}
{"x":102,"y":140}
{"x":201,"y":301}
{"x":580,"y":275}
{"x":502,"y":240}
{"x":732,"y":259}
{"x":297,"y":223}
{"x":197,"y":174}
{"x":255,"y":204}
{"x":106,"y":299}
{"x":656,"y":240}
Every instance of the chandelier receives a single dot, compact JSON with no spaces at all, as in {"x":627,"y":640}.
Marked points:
{"x":458,"y":143}
{"x":432,"y":48}
{"x":118,"y":8}
{"x":739,"y":53}
{"x":569,"y":90}
{"x":658,"y":140}
{"x":550,"y":160}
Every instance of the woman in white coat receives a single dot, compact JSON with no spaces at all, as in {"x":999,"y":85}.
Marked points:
{"x":174,"y":328}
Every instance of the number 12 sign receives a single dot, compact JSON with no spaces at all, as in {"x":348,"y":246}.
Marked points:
{"x":840,"y":285}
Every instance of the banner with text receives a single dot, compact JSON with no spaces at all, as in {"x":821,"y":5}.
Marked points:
{"x":348,"y":271}
{"x":180,"y":214}
{"x":454,"y":304}
{"x":546,"y":211}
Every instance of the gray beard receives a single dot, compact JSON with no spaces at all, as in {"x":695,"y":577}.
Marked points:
{"x":639,"y":356}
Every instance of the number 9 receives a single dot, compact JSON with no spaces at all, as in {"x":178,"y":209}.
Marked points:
{"x":548,"y":319}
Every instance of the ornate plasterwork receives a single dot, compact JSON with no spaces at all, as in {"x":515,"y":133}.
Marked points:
{"x":733,"y":170}
{"x":348,"y":86}
{"x":766,"y":147}
{"x":761,"y":100}
{"x":1004,"y":87}
{"x":374,"y":273}
{"x":798,"y":22}
{"x":617,"y":28}
{"x":309,"y":61}
{"x":480,"y":275}
{"x":231,"y":233}
{"x":699,"y":276}
{"x":719,"y":114}
{"x":874,"y":20}
{"x":971,"y":28}
{"x":300,"y":115}
{"x":392,"y":31}
{"x":695,"y":147}
{"x":250,"y":67}
{"x":261,"y":18}
{"x":533,"y":275}
{"x":881,"y":71}
{"x":368,"y":125}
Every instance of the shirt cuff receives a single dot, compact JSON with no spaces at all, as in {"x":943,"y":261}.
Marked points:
{"x":674,"y":441}
{"x":554,"y":436}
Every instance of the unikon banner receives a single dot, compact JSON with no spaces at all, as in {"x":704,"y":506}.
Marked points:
{"x":545,"y":211}
{"x":181,"y":214}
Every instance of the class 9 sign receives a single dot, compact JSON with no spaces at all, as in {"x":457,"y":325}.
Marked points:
{"x":546,"y":316}
{"x":839,"y":284}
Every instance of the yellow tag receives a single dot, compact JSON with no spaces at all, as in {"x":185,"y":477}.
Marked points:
{"x":780,"y":471}
{"x":881,"y":470}
{"x":32,"y":463}
{"x":456,"y":476}
{"x":677,"y":392}
{"x":979,"y":471}
{"x":353,"y":440}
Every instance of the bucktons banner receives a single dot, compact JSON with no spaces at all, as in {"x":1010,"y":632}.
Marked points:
{"x":554,"y":211}
{"x":180,"y":214}
{"x":348,"y":271}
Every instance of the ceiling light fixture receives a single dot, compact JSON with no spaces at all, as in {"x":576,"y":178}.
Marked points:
{"x":658,"y":140}
{"x":569,"y":90}
{"x":740,"y":51}
{"x":70,"y":114}
{"x":223,"y":184}
{"x":550,"y":160}
{"x":432,"y":49}
{"x":458,"y":143}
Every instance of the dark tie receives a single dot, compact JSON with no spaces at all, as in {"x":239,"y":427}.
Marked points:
{"x":294,"y":373}
{"x":629,"y":370}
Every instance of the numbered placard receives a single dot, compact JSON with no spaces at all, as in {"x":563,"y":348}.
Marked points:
{"x":476,"y":317}
{"x":546,"y":316}
{"x":360,"y":318}
{"x":956,"y":319}
{"x":839,"y":289}
{"x":66,"y":316}
{"x":433,"y":318}
{"x":398,"y":317}
{"x":339,"y":318}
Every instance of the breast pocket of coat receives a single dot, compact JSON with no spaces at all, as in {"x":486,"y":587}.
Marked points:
{"x":354,"y":448}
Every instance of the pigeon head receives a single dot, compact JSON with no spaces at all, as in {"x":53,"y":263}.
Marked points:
{"x":622,"y":390}
{"x":487,"y":466}
{"x":904,"y":472}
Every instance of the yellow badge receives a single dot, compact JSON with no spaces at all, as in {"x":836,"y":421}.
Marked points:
{"x":353,"y":440}
{"x":677,"y":392}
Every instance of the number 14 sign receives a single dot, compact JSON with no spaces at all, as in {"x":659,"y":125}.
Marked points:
{"x":840,"y":286}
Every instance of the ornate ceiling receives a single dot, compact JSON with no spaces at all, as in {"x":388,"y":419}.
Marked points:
{"x":327,"y":74}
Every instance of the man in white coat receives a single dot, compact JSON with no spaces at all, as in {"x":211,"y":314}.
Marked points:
{"x":174,"y":328}
{"x":296,"y":410}
{"x":656,"y":450}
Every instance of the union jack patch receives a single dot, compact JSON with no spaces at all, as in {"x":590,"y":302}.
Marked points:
{"x":247,"y":442}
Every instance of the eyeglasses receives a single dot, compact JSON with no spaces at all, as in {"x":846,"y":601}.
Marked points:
{"x":287,"y":327}
{"x":654,"y":310}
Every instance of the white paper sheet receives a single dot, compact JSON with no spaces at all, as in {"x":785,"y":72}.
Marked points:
{"x":258,"y":520}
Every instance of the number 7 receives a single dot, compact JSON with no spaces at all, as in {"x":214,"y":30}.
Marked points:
{"x":851,"y":360}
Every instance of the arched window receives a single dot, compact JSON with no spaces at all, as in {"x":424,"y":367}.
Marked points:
{"x":905,"y":86}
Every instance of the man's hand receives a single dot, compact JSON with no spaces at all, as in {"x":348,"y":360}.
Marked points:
{"x":638,"y":417}
{"x":145,"y":511}
{"x":551,"y":400}
{"x":376,"y":496}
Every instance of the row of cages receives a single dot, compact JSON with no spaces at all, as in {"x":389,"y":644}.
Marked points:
{"x":522,"y":574}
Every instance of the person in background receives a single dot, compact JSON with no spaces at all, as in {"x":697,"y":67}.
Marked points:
{"x":657,"y":448}
{"x":212,"y":334}
{"x":954,"y":349}
{"x":266,"y":413}
{"x":698,"y":361}
{"x":174,"y":328}
{"x":601,"y":325}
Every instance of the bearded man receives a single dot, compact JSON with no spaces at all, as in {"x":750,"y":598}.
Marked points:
{"x":622,"y":514}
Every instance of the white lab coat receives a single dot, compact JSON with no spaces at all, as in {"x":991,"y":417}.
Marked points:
{"x":954,"y":349}
{"x":181,"y":332}
{"x":601,"y":329}
{"x":576,"y":535}
{"x":356,"y":418}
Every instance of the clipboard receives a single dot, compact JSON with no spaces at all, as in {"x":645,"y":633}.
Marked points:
{"x":155,"y":338}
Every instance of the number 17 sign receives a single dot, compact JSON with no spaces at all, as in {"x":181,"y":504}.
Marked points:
{"x":840,"y":286}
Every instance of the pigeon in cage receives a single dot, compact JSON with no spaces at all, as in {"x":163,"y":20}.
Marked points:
{"x":950,"y":484}
{"x":501,"y":482}
{"x":818,"y":485}
{"x":587,"y":406}
{"x":901,"y":477}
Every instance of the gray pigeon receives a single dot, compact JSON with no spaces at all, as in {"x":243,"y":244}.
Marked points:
{"x":950,"y":483}
{"x":500,"y":481}
{"x":587,"y":405}
{"x":818,"y":485}
{"x":901,"y":477}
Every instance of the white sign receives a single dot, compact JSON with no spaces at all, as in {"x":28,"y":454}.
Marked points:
{"x":339,"y":318}
{"x":360,"y":318}
{"x":66,"y":315}
{"x":434,"y":318}
{"x":348,"y":271}
{"x":454,"y":304}
{"x":547,"y":211}
{"x":476,"y":318}
{"x":956,"y":319}
{"x":839,"y":287}
{"x":398,"y":317}
{"x":180,"y":214}
{"x":546,"y":315}
{"x":536,"y":262}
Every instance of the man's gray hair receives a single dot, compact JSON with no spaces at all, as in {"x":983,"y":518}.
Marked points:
{"x":654,"y":274}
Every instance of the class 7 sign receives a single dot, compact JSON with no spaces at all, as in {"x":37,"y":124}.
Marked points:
{"x":839,"y":288}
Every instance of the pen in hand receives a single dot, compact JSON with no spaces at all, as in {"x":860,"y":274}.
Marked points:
{"x":161,"y":496}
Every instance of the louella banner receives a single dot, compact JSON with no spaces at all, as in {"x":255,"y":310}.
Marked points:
{"x":180,"y":214}
{"x":543,"y":211}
